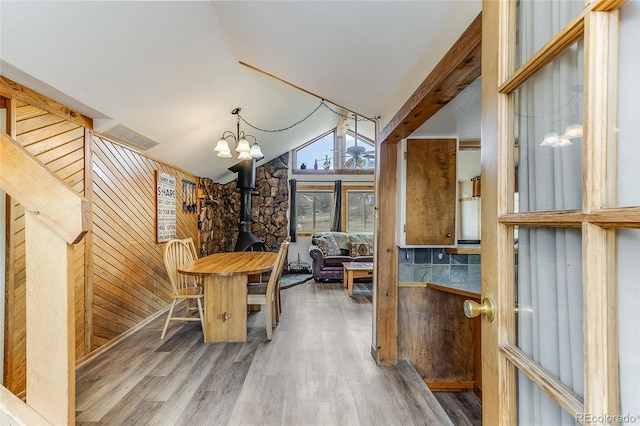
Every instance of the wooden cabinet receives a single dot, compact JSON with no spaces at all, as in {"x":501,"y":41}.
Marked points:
{"x":428,"y":193}
{"x":440,"y":341}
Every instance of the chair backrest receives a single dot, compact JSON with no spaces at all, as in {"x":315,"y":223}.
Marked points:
{"x":176,"y":253}
{"x":192,"y":247}
{"x":276,"y":273}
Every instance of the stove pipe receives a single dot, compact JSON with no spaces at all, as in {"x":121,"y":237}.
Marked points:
{"x":247,"y":240}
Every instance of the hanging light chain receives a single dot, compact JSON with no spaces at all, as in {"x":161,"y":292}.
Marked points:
{"x":284,"y":128}
{"x":345,"y":115}
{"x":321,"y":104}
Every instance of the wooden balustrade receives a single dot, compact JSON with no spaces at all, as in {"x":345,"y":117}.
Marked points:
{"x":55,"y":218}
{"x":41,"y":192}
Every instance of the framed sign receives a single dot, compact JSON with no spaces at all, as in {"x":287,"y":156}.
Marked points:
{"x":165,"y":207}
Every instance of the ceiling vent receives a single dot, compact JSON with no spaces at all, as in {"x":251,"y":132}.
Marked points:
{"x":129,"y":137}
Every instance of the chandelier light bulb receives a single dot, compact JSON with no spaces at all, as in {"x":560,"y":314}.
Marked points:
{"x":550,"y":139}
{"x":225,"y":154}
{"x":563,"y":141}
{"x":256,"y":151}
{"x":243,"y":146}
{"x":573,"y":131}
{"x":244,"y":156}
{"x":222,"y":145}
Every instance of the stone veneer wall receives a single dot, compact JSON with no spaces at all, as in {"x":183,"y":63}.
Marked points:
{"x":220,"y":212}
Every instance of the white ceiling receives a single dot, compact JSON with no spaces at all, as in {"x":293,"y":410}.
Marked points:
{"x":171,"y":70}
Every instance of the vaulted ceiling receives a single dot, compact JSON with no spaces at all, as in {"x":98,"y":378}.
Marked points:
{"x":173,"y":71}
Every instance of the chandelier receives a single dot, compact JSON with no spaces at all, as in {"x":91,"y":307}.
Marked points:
{"x":243,"y":148}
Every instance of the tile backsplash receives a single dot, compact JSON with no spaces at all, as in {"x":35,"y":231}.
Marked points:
{"x":434,"y":265}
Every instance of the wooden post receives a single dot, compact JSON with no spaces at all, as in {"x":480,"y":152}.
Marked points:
{"x":50,"y":323}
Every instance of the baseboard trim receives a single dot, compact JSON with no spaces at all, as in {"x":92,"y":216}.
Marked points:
{"x":450,"y":386}
{"x":80,"y":362}
{"x":375,"y":354}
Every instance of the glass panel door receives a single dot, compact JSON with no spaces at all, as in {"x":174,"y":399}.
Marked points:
{"x":557,"y":120}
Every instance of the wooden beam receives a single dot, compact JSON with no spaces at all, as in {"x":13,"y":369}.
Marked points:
{"x":11,"y":89}
{"x":13,"y":411}
{"x":455,"y":71}
{"x":88,"y":244}
{"x":459,"y":67}
{"x":385,"y":349}
{"x":41,"y":192}
{"x":50,"y":323}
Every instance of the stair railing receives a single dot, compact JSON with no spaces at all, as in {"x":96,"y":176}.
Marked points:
{"x":55,"y":219}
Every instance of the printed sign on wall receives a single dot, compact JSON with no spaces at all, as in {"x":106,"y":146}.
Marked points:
{"x":165,"y":207}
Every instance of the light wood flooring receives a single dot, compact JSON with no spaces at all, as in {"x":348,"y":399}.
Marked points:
{"x":317,"y":370}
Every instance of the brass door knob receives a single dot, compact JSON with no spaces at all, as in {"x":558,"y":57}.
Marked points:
{"x":472,"y":309}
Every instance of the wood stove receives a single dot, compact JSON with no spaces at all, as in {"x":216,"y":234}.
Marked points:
{"x":247,"y":240}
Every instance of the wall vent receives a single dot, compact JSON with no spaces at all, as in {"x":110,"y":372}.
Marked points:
{"x":129,"y":137}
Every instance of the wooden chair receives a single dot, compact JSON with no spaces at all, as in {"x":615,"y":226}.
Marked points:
{"x":176,"y":253}
{"x":192,"y":247}
{"x":194,"y":252}
{"x":261,"y":294}
{"x":277,"y":291}
{"x":279,"y":299}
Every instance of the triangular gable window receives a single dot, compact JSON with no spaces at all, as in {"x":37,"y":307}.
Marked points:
{"x":332,"y":155}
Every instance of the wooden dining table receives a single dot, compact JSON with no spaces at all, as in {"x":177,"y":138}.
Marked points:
{"x":225,"y":290}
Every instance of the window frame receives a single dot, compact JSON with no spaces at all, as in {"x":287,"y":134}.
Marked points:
{"x":354,"y":188}
{"x":330,"y":189}
{"x":312,"y":189}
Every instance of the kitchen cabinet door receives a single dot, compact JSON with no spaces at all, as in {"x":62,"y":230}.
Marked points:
{"x":429,"y":193}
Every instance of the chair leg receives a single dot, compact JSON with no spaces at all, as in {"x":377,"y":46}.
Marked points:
{"x":274,"y":315}
{"x":279,"y":299}
{"x":166,"y":324}
{"x":201,"y":312}
{"x":268,"y":319}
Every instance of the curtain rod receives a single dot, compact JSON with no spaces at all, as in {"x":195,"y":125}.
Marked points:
{"x":333,"y":181}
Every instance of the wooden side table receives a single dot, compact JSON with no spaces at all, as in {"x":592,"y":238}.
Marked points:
{"x":354,"y":270}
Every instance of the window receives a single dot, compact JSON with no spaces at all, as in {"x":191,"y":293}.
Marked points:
{"x":332,"y":153}
{"x":314,"y":208}
{"x":316,"y":152}
{"x":359,"y":205}
{"x":313,"y":211}
{"x":360,"y":155}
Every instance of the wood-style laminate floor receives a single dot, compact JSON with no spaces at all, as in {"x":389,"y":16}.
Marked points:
{"x":317,"y":370}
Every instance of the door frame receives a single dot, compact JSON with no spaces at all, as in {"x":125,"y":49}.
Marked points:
{"x":597,"y":24}
{"x":458,"y":68}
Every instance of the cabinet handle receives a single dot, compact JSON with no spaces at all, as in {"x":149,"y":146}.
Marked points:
{"x":449,"y":235}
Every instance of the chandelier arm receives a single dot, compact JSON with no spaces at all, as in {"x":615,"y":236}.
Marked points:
{"x":244,"y":135}
{"x":229,"y":133}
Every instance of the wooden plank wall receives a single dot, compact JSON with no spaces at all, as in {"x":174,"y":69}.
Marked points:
{"x":118,"y":266}
{"x":436,"y":337}
{"x":129,"y":278}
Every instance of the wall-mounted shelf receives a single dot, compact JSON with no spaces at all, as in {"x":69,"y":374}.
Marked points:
{"x":464,"y":249}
